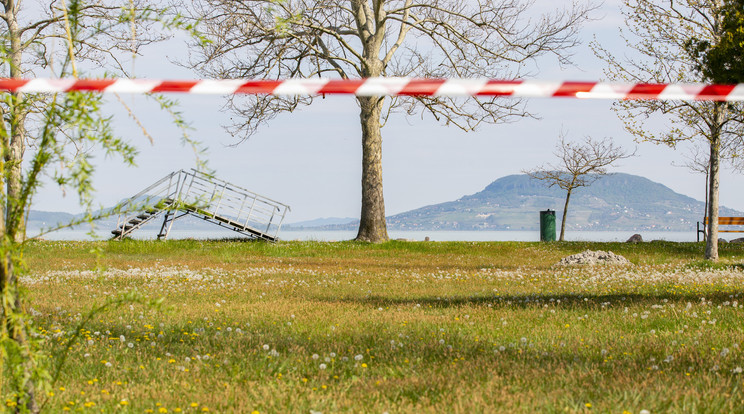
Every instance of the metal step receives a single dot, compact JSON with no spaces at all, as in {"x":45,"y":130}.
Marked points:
{"x":203,"y":196}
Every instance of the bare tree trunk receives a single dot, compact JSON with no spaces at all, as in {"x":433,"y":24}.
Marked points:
{"x":4,"y":147}
{"x":13,"y":162}
{"x":711,"y":246}
{"x":563,"y":219}
{"x":18,"y":111}
{"x":13,"y":142}
{"x":372,"y":225}
{"x":707,"y":192}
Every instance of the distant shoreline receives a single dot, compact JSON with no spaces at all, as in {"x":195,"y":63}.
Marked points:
{"x":440,"y":236}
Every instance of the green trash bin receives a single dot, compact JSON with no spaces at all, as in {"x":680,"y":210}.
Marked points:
{"x":547,"y":225}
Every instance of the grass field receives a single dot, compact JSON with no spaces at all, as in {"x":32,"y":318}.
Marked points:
{"x":396,"y":327}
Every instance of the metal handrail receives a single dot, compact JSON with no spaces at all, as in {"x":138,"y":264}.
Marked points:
{"x":210,"y":198}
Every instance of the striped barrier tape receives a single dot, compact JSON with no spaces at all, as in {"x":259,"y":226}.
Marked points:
{"x":386,"y":86}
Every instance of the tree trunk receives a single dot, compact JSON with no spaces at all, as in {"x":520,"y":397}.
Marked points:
{"x":4,"y":147}
{"x":13,"y":220}
{"x":707,"y":192}
{"x":711,"y":246}
{"x":17,"y":114}
{"x":13,"y":162}
{"x":372,"y":225}
{"x":563,"y":219}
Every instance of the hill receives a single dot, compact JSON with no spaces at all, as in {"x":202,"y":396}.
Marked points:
{"x":615,"y":202}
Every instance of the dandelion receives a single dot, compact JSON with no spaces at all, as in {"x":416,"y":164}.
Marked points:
{"x":322,"y":366}
{"x":358,"y":357}
{"x":266,"y":347}
{"x":130,"y":345}
{"x":315,"y":356}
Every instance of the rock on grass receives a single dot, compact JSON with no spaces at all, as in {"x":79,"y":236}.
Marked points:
{"x":594,"y":257}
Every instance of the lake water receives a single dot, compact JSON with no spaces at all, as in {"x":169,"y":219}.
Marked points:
{"x":601,"y":236}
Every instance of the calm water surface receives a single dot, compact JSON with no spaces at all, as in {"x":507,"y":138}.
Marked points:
{"x":602,"y":236}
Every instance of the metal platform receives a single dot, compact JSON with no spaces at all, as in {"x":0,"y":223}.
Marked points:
{"x":182,"y":193}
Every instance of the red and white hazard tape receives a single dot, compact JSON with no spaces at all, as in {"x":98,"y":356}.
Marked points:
{"x":386,"y":86}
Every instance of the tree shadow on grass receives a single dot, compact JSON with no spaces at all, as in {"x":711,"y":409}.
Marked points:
{"x":582,"y":301}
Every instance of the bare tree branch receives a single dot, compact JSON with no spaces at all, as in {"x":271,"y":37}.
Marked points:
{"x":580,"y":165}
{"x":661,"y":33}
{"x":369,"y":38}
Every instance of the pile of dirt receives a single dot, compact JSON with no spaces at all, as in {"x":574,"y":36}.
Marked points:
{"x":591,"y":257}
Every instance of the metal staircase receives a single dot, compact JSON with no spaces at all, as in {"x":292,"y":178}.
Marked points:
{"x":182,"y":193}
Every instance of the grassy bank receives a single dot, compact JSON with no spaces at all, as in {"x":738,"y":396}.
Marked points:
{"x":396,"y":327}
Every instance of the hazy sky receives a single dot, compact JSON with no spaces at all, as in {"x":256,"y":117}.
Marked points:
{"x":311,"y":159}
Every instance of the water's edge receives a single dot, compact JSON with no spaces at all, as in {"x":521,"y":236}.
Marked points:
{"x":600,"y":236}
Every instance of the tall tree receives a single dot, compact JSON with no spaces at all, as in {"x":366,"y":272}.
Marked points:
{"x":370,"y":38}
{"x":660,"y":33}
{"x":580,"y":164}
{"x":39,"y":40}
{"x":51,"y":136}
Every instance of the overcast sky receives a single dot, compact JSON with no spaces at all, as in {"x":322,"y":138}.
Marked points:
{"x":311,"y":159}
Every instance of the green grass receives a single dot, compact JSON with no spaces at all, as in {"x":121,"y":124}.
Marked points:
{"x":437,"y":327}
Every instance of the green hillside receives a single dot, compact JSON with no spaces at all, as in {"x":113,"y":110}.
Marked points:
{"x":614,"y":202}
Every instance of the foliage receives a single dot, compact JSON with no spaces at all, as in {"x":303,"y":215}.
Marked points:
{"x":51,"y":136}
{"x":69,"y":118}
{"x":660,"y":35}
{"x":723,"y":61}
